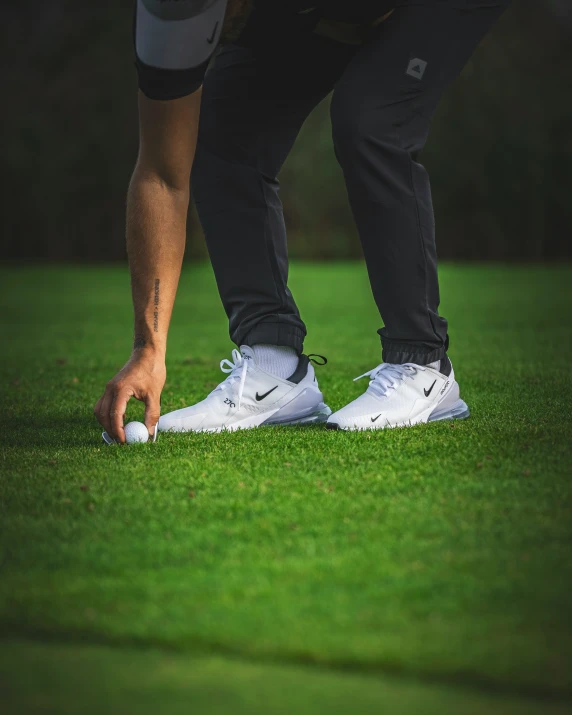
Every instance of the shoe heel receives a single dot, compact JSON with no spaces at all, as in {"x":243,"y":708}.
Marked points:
{"x":458,"y":411}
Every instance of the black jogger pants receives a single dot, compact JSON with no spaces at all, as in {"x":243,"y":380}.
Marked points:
{"x":256,"y":97}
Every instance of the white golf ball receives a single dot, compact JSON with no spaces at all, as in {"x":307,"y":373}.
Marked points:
{"x":136,"y":432}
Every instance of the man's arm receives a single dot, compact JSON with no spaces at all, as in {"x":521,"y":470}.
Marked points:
{"x":157,"y":204}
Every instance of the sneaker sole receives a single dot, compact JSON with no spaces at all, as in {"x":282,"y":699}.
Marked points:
{"x":458,"y":411}
{"x":317,"y":417}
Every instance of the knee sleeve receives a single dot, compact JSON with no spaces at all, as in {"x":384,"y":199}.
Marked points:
{"x":174,"y":41}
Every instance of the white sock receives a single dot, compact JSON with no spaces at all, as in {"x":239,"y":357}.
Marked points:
{"x":278,"y":360}
{"x":437,"y":365}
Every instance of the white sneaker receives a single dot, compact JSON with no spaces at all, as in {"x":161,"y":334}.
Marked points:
{"x":250,"y":397}
{"x":403,"y":395}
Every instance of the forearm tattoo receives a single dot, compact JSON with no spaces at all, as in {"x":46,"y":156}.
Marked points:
{"x":139,"y":340}
{"x":156,"y":307}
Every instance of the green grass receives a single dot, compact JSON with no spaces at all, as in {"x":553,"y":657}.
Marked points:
{"x":428,"y":569}
{"x":67,"y":679}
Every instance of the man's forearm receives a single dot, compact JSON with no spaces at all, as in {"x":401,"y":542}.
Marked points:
{"x":156,"y":233}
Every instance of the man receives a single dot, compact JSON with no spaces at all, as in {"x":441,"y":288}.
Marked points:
{"x":388,"y":63}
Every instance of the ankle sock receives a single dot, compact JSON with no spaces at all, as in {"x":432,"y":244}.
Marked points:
{"x":278,"y":360}
{"x":443,"y":365}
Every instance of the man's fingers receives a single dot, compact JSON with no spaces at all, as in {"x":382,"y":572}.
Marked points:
{"x":152,"y":412}
{"x":103,"y":411}
{"x":116,"y":414}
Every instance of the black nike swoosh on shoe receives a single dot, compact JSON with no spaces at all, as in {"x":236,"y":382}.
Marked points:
{"x":374,"y":419}
{"x":210,"y":39}
{"x":428,"y":392}
{"x":261,"y":397}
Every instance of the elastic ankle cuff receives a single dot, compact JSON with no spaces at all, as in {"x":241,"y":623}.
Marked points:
{"x":398,"y":353}
{"x":275,"y":334}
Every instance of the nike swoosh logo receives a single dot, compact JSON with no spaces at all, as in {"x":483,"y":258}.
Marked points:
{"x":210,"y":39}
{"x":374,"y":419}
{"x":428,"y":392}
{"x":261,"y":397}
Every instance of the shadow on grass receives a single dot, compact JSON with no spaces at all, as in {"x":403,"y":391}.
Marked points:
{"x":81,"y":430}
{"x":197,"y":646}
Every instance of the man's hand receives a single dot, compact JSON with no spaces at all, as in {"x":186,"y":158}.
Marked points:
{"x":143,"y":378}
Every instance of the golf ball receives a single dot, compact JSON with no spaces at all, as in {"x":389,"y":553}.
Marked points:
{"x":136,"y":432}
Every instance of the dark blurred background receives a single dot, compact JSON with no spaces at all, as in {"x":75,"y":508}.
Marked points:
{"x":500,"y":152}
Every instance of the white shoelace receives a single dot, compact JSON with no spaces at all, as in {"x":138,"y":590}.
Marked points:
{"x":386,"y":377}
{"x":237,"y":369}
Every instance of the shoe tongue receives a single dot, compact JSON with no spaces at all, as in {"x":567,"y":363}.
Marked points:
{"x":247,"y":353}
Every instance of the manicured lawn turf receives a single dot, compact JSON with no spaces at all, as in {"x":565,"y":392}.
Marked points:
{"x":416,"y":567}
{"x":69,"y":679}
